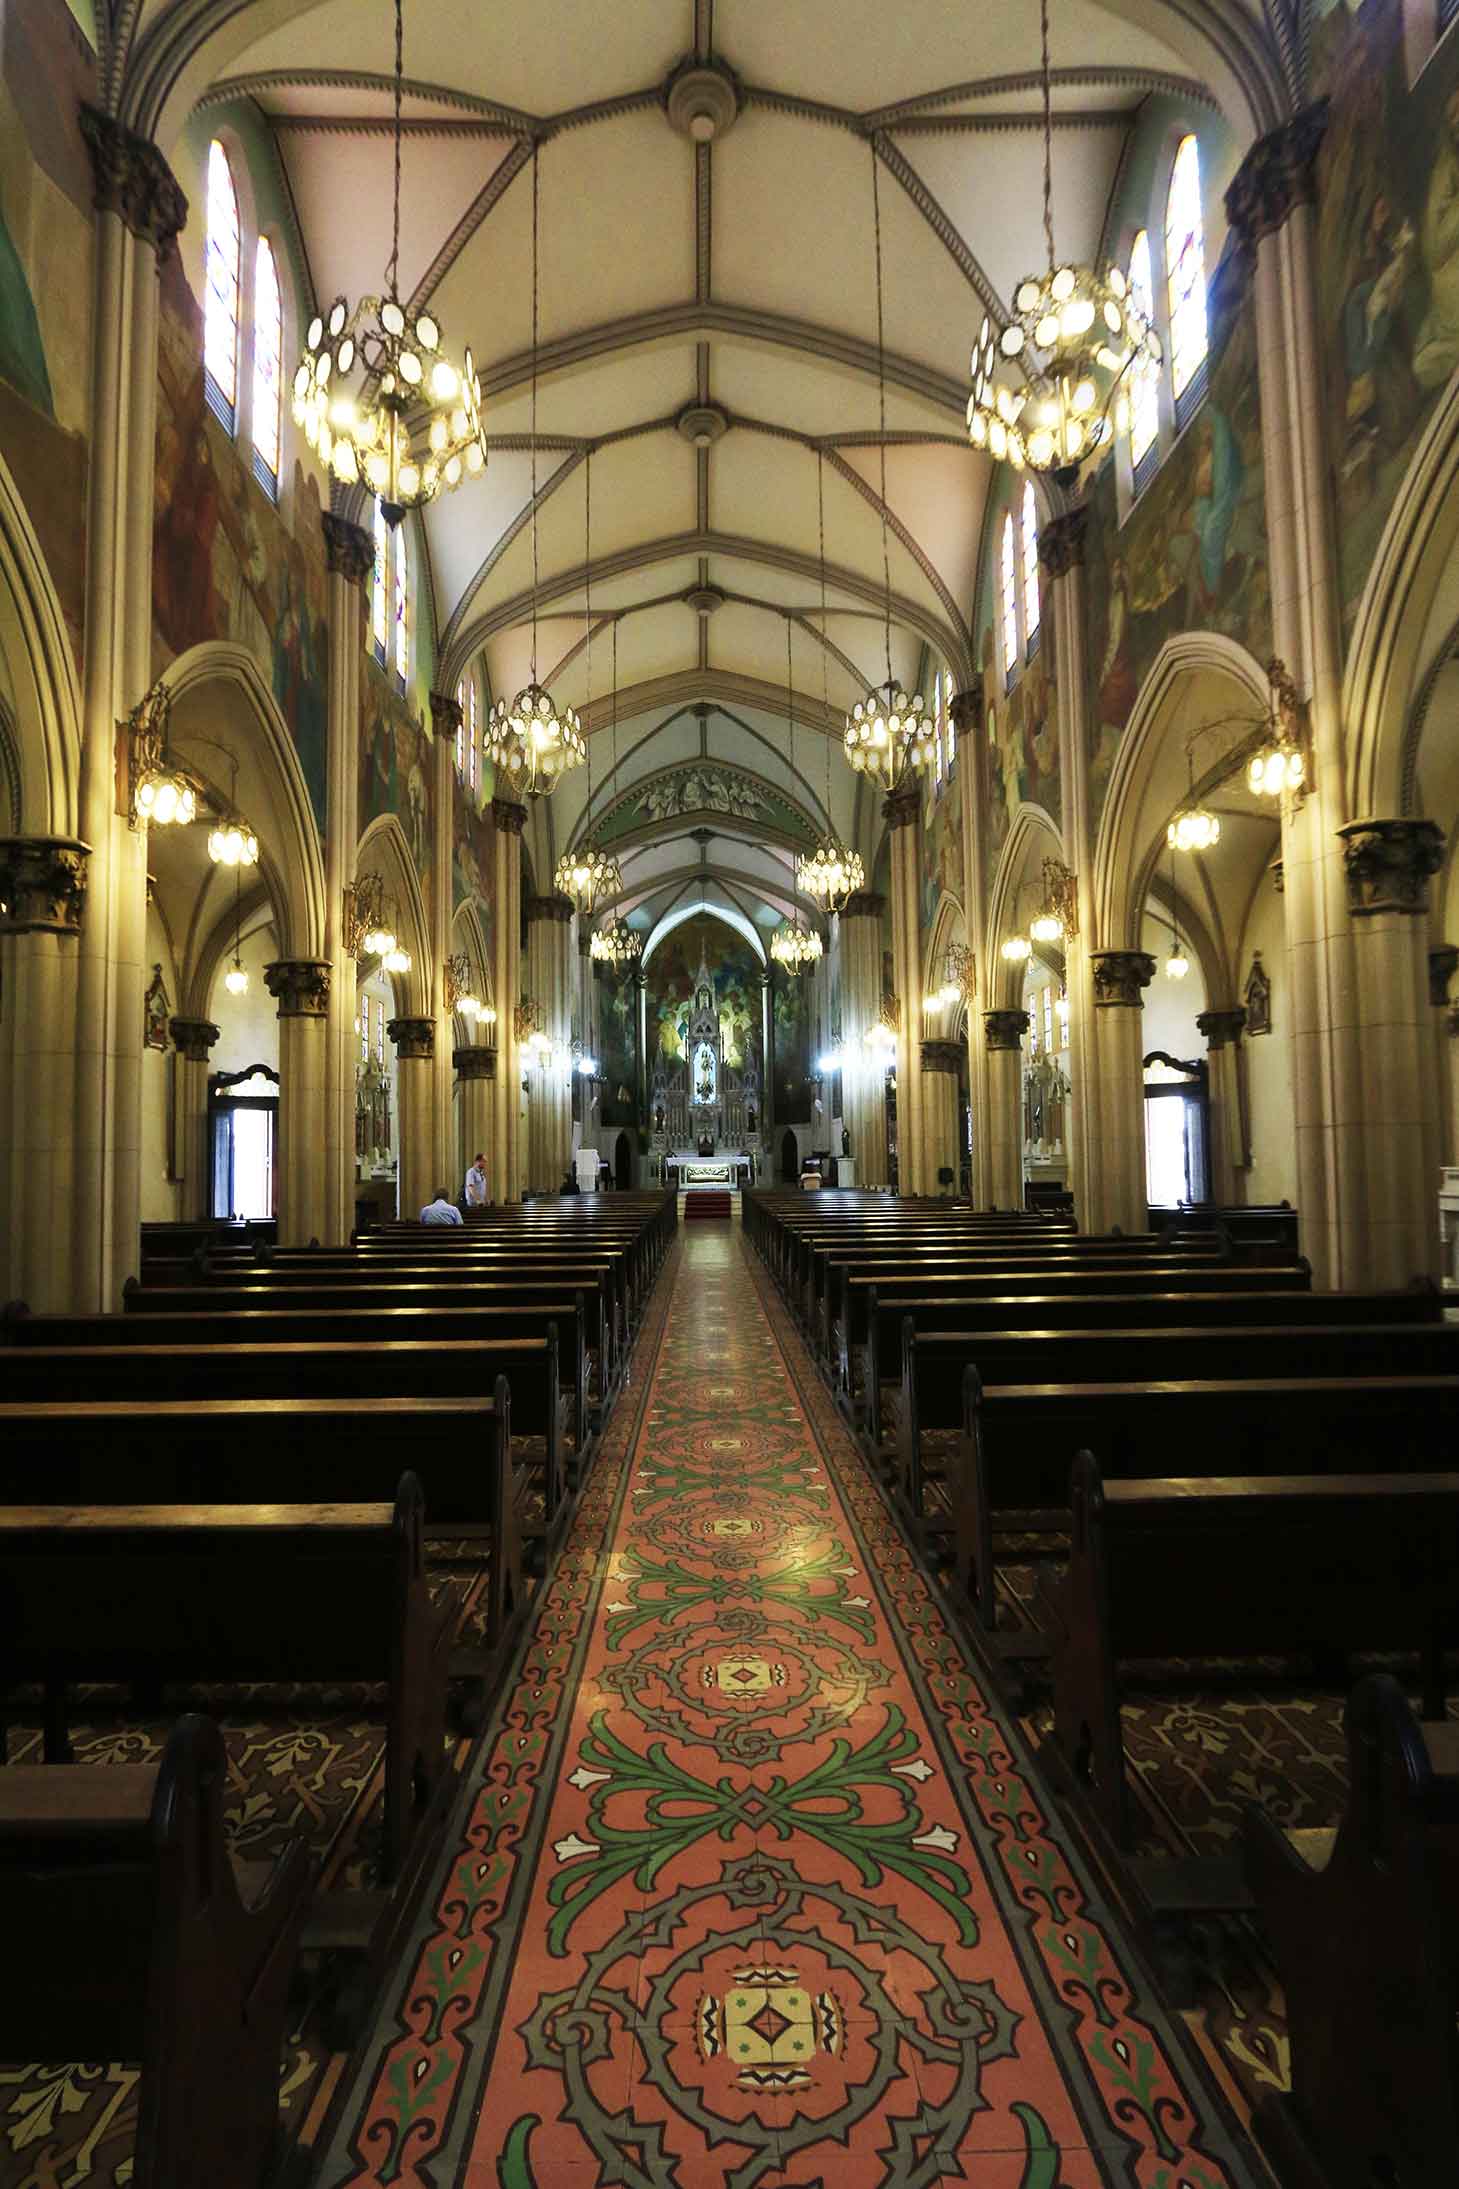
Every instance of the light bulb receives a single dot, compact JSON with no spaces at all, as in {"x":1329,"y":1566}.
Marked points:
{"x":1048,"y":927}
{"x":1018,"y":949}
{"x":397,"y":960}
{"x":235,"y":980}
{"x":1177,"y":965}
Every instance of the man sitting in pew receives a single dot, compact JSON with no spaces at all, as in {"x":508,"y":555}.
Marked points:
{"x":441,"y":1210}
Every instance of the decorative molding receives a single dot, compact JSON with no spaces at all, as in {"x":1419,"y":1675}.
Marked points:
{"x":966,"y":710}
{"x":42,"y":884}
{"x":864,"y":904}
{"x":299,"y":985}
{"x":702,"y":100}
{"x":902,"y":808}
{"x":1003,"y":1030}
{"x":1217,"y":1028}
{"x":1443,"y":964}
{"x":1119,"y":977}
{"x":508,"y":816}
{"x":702,"y":424}
{"x":1278,"y":173}
{"x":447,"y":715}
{"x":1278,"y":873}
{"x":1061,"y":543}
{"x":349,"y":550}
{"x":474,"y":1063}
{"x":194,"y":1038}
{"x":1388,"y":864}
{"x":941,"y":1056}
{"x":553,"y":907}
{"x":130,"y":177}
{"x":414,"y":1038}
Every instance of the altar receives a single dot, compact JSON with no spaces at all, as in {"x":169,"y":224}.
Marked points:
{"x":726,"y":1167}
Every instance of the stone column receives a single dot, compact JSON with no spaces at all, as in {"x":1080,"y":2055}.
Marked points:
{"x":301,"y":988}
{"x":1061,"y":556}
{"x":966,"y":709}
{"x":508,"y":819}
{"x":446,"y":718}
{"x":475,"y":1096}
{"x":863,"y":1084}
{"x":1221,"y":1031}
{"x":42,"y":903}
{"x":415,"y":1097}
{"x":1388,"y":864}
{"x":1115,"y":1190}
{"x":940,"y":1061}
{"x":767,"y":1023}
{"x":350,"y":556}
{"x":194,"y":1040}
{"x":549,"y":977}
{"x":139,"y":211}
{"x":903,"y":812}
{"x":1003,"y":1033}
{"x":1443,"y":964}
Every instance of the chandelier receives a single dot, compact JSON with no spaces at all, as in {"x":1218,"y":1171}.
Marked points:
{"x":1196,"y":829}
{"x":369,"y":925}
{"x":463,"y":990}
{"x":1075,"y":332}
{"x":1280,"y":763}
{"x":162,"y":793}
{"x":376,"y":395}
{"x":233,"y":844}
{"x":793,"y":945}
{"x":886,"y":731}
{"x":588,"y":875}
{"x":832,"y":872}
{"x":534,"y":741}
{"x":616,"y":943}
{"x":1058,"y":914}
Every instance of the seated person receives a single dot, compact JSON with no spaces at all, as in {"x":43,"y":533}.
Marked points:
{"x":440,"y":1211}
{"x":570,"y":1183}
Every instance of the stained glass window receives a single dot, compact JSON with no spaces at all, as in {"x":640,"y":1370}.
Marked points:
{"x":364,"y":1029}
{"x":1185,"y":269}
{"x":461,"y":732}
{"x":951,"y":725}
{"x":380,"y":1034}
{"x":1144,"y":382}
{"x":402,"y":600}
{"x":377,"y":585}
{"x":1008,"y":594}
{"x":1030,"y":571}
{"x":268,"y":357}
{"x":220,"y":302}
{"x":472,"y":740}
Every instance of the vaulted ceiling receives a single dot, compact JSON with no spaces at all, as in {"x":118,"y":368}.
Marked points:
{"x":708,"y":327}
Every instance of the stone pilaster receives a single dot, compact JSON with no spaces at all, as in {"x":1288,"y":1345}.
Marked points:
{"x":941,"y":1061}
{"x":863,"y":1084}
{"x":475,"y":1106}
{"x":1062,"y":546}
{"x":42,"y":905}
{"x":966,"y":710}
{"x":1229,"y":1156}
{"x":903,"y":815}
{"x":1115,"y":1185}
{"x":415,"y":1068}
{"x":447,"y":715}
{"x":300,"y":987}
{"x":349,"y":554}
{"x":1003,"y":1033}
{"x":508,"y":820}
{"x":549,"y":1097}
{"x":194,"y":1039}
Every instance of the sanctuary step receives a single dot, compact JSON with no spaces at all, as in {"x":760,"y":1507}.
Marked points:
{"x":707,"y":1201}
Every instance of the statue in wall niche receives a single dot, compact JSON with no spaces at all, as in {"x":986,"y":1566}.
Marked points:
{"x":156,"y":1010}
{"x":1258,"y":998}
{"x":1044,"y":1091}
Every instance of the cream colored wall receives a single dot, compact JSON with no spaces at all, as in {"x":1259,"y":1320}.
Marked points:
{"x":1273,"y":1172}
{"x":1171,"y":1006}
{"x":248,"y":1026}
{"x":160,"y":1196}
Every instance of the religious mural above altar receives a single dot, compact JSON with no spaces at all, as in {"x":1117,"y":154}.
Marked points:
{"x":670,"y":977}
{"x":706,"y":787}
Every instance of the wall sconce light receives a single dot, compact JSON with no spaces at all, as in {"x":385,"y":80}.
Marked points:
{"x":369,"y":925}
{"x":462,"y":988}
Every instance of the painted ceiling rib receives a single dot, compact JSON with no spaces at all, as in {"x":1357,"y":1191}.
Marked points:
{"x":935,"y":580}
{"x":681,"y":688}
{"x":703,"y":219}
{"x":522,"y":519}
{"x":943,"y":227}
{"x":476,"y":212}
{"x":444,"y":126}
{"x":1084,"y":76}
{"x":510,"y":119}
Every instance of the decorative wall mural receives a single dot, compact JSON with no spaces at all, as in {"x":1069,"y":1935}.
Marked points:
{"x":792,"y":1042}
{"x":942,"y":850}
{"x":670,"y":975}
{"x":703,"y":786}
{"x":396,"y":765}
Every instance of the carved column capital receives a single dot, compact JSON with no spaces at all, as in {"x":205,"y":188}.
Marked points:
{"x":864,"y":904}
{"x":447,"y":714}
{"x":1219,"y":1027}
{"x":966,"y":711}
{"x":1061,"y":542}
{"x":474,"y":1063}
{"x":349,"y":551}
{"x":902,"y":808}
{"x":414,"y":1038}
{"x":1278,"y":173}
{"x":193,"y":1038}
{"x":508,"y":816}
{"x":1119,"y":977}
{"x":300,"y":986}
{"x":1389,"y":863}
{"x":130,"y":177}
{"x":42,"y":884}
{"x":1443,"y":964}
{"x":941,"y":1056}
{"x":555,"y":908}
{"x":1004,"y":1029}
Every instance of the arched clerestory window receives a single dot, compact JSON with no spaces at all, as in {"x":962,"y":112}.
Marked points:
{"x":401,"y":653}
{"x":380,"y":588}
{"x":1029,"y":519}
{"x":1185,"y":277}
{"x":268,"y":363}
{"x":1144,"y":381}
{"x":222,"y":273}
{"x":1008,"y":599}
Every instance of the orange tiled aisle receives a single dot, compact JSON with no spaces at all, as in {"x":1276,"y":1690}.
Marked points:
{"x":751,"y":1887}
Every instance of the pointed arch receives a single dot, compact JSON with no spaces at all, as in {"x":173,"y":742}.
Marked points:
{"x":38,"y":677}
{"x":1033,"y":836}
{"x":383,"y":850}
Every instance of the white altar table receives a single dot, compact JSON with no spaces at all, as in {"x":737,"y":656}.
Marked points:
{"x":730,"y":1167}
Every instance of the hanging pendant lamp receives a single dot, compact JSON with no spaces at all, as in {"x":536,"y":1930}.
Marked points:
{"x":886,"y":731}
{"x":793,"y":945}
{"x":616,"y":943}
{"x":833,"y":871}
{"x":588,"y":875}
{"x":533,"y":741}
{"x":377,"y":396}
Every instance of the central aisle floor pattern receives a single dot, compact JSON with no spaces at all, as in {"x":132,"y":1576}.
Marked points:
{"x":752,"y":1885}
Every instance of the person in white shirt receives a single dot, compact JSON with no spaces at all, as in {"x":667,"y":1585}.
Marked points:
{"x":440,"y":1211}
{"x":476,"y":1183}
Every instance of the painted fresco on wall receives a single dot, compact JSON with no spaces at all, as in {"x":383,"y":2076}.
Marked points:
{"x":1387,"y":258}
{"x":791,"y":994}
{"x":617,"y":1002}
{"x":22,"y":352}
{"x":1192,"y":554}
{"x":1021,"y":751}
{"x":471,"y":862}
{"x":670,"y":977}
{"x":396,"y":764}
{"x":225,"y":563}
{"x":942,"y":851}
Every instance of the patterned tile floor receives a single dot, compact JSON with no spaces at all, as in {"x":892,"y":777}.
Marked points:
{"x":751,"y":1885}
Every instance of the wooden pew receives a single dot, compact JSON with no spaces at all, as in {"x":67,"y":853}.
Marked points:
{"x":1011,"y":1473}
{"x":237,"y":1593}
{"x":1235,"y":1566}
{"x":127,"y":1938}
{"x":1365,"y":1932}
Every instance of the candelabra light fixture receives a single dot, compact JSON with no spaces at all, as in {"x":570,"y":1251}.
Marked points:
{"x":370,"y":923}
{"x":1177,"y":964}
{"x":463,"y":990}
{"x":616,"y":943}
{"x":1058,"y":915}
{"x":793,"y":945}
{"x":1280,"y":762}
{"x":375,"y":393}
{"x":1076,"y":331}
